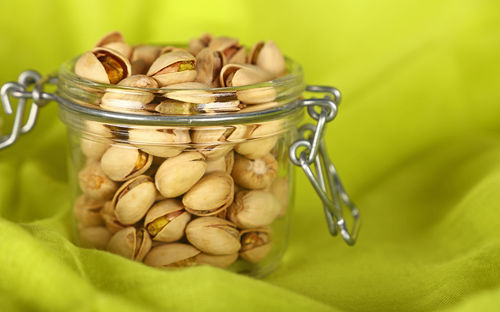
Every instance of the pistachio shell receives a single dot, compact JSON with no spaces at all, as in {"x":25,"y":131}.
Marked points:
{"x":114,"y":36}
{"x":213,"y":142}
{"x":94,"y":182}
{"x":268,"y":57}
{"x":120,"y":47}
{"x":255,"y":174}
{"x":212,"y":194}
{"x":94,"y":237}
{"x":123,"y":162}
{"x":196,"y":45}
{"x":232,"y":50}
{"x":125,"y":99}
{"x":178,"y":174}
{"x":166,"y":73}
{"x":265,"y":136}
{"x":108,"y":215}
{"x":193,"y":93}
{"x":259,"y":107}
{"x":133,"y":199}
{"x":280,"y":189}
{"x":208,"y":65}
{"x":93,"y":149}
{"x":213,"y":235}
{"x":172,"y":255}
{"x":87,"y":210}
{"x":103,"y":65}
{"x":130,"y":243}
{"x":142,"y":58}
{"x":170,"y":48}
{"x":166,"y":220}
{"x":223,"y":261}
{"x":160,"y":142}
{"x":236,"y":75}
{"x":255,"y":244}
{"x":253,"y":209}
{"x":224,"y":163}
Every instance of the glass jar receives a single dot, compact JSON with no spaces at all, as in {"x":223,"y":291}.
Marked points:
{"x":196,"y":176}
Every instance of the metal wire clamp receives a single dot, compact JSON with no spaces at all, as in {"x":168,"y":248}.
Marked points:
{"x":310,"y":150}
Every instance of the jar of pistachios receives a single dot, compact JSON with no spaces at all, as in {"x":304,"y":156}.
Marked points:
{"x":184,"y":155}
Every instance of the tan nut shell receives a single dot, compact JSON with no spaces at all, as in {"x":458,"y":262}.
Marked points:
{"x":222,"y":261}
{"x":87,"y":211}
{"x":280,"y":189}
{"x":268,"y":57}
{"x":212,"y":194}
{"x":167,"y":59}
{"x":133,"y":199}
{"x":120,"y":99}
{"x":225,"y":44}
{"x":171,"y":255}
{"x":264,"y":137}
{"x":253,"y":209}
{"x":208,"y":65}
{"x":123,"y":162}
{"x":94,"y":182}
{"x":160,"y":142}
{"x":255,"y":174}
{"x":196,"y":45}
{"x":93,"y":149}
{"x":124,"y":243}
{"x":237,"y":75}
{"x":174,"y":229}
{"x":190,"y":92}
{"x":213,"y":235}
{"x":178,"y":174}
{"x":109,"y":217}
{"x":224,"y":163}
{"x":214,"y":142}
{"x":249,"y":251}
{"x":114,"y":36}
{"x":94,"y":237}
{"x":142,"y":58}
{"x":120,"y":47}
{"x":88,"y":65}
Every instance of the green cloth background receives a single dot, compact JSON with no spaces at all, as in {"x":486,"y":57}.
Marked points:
{"x":417,"y":143}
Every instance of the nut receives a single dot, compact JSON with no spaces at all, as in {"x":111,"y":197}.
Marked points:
{"x":212,"y":194}
{"x":255,"y":244}
{"x":196,"y":45}
{"x":208,"y":65}
{"x":133,"y":199}
{"x":236,"y":75}
{"x":142,"y":58}
{"x":129,"y":99}
{"x":280,"y":189}
{"x":93,"y":149}
{"x":123,"y":162}
{"x":103,"y":65}
{"x":130,"y":243}
{"x":255,"y":174}
{"x":233,"y":51}
{"x":262,"y":139}
{"x":160,"y":142}
{"x":166,"y":220}
{"x":173,"y":67}
{"x":115,"y":41}
{"x":108,"y":215}
{"x":215,"y":142}
{"x":94,"y":183}
{"x":268,"y":56}
{"x":190,"y":92}
{"x":178,"y":174}
{"x":224,"y":163}
{"x":172,"y":256}
{"x":94,"y":237}
{"x":223,"y":261}
{"x":87,"y":210}
{"x":253,"y":209}
{"x":214,"y":236}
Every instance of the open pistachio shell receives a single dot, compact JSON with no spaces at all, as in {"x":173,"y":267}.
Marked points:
{"x":108,"y":215}
{"x":237,"y":75}
{"x":133,"y":199}
{"x":121,"y":47}
{"x":94,"y":237}
{"x":233,"y":51}
{"x":262,"y":139}
{"x":259,"y":107}
{"x":215,"y":142}
{"x":123,"y":162}
{"x":94,"y":183}
{"x":268,"y":56}
{"x":255,"y":244}
{"x":103,"y":65}
{"x":223,"y":163}
{"x":190,"y":92}
{"x":196,"y":45}
{"x":160,"y":142}
{"x":87,"y":211}
{"x":253,"y":209}
{"x":127,"y":99}
{"x":280,"y":189}
{"x":172,"y":255}
{"x":255,"y":174}
{"x":173,"y":67}
{"x":208,"y":65}
{"x":222,"y":261}
{"x":114,"y":36}
{"x":142,"y":58}
{"x":130,"y":243}
{"x":93,"y":149}
{"x":214,"y":236}
{"x":166,"y":220}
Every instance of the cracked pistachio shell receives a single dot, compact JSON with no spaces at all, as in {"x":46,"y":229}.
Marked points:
{"x":120,"y":47}
{"x":109,"y":217}
{"x":223,"y":163}
{"x":87,"y":211}
{"x":123,"y":162}
{"x":103,"y":65}
{"x":94,"y":237}
{"x":209,"y":196}
{"x":173,"y":67}
{"x":259,"y":107}
{"x":127,"y":99}
{"x":142,"y":58}
{"x":130,"y":243}
{"x":268,"y":56}
{"x":93,"y":149}
{"x":160,"y":142}
{"x":280,"y":189}
{"x":253,"y":209}
{"x":233,"y":51}
{"x":172,"y":255}
{"x":178,"y":174}
{"x":114,"y":36}
{"x":133,"y":199}
{"x":222,"y":261}
{"x":208,"y":65}
{"x":214,"y":236}
{"x":254,"y":173}
{"x":169,"y":49}
{"x":237,"y":75}
{"x":94,"y":183}
{"x":263,"y":139}
{"x":255,"y":244}
{"x":215,"y":142}
{"x":190,"y":92}
{"x":167,"y":220}
{"x":197,"y":44}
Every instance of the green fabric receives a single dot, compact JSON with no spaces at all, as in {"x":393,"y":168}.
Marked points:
{"x":417,"y":143}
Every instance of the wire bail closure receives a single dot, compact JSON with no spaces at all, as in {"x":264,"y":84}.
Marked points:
{"x":310,"y":149}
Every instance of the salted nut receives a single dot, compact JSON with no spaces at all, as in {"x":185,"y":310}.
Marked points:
{"x":178,"y":174}
{"x":167,"y":220}
{"x":123,"y":162}
{"x":198,"y":44}
{"x":280,"y":189}
{"x":222,"y":261}
{"x":125,"y":99}
{"x":142,"y":58}
{"x":268,"y":56}
{"x":130,"y":243}
{"x":233,"y":51}
{"x":215,"y":142}
{"x":94,"y":183}
{"x":161,"y":142}
{"x":253,"y":209}
{"x":103,"y":65}
{"x":255,"y":174}
{"x":172,"y":256}
{"x":190,"y":92}
{"x":223,"y":163}
{"x":108,"y":215}
{"x":87,"y":211}
{"x":255,"y":244}
{"x":115,"y":41}
{"x":94,"y":237}
{"x":237,"y":75}
{"x":209,"y":196}
{"x":133,"y":199}
{"x":173,"y":67}
{"x":208,"y":65}
{"x":261,"y":139}
{"x":214,"y":236}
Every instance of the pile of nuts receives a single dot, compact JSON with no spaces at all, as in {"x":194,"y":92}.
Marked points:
{"x":181,"y":196}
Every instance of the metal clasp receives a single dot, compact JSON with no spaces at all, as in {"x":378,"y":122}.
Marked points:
{"x":313,"y":152}
{"x":20,"y":91}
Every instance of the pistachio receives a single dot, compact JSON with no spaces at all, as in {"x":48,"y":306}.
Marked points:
{"x":214,"y":142}
{"x":255,"y":174}
{"x":190,"y":92}
{"x":94,"y":183}
{"x":268,"y":56}
{"x":214,"y":236}
{"x":87,"y":210}
{"x":94,"y":237}
{"x":123,"y":162}
{"x":173,"y":67}
{"x":103,"y":65}
{"x":280,"y":189}
{"x":160,"y":142}
{"x":259,"y":107}
{"x":130,"y":243}
{"x":133,"y":199}
{"x":166,"y":220}
{"x":108,"y":215}
{"x":222,"y":261}
{"x":114,"y":36}
{"x":142,"y":58}
{"x":178,"y":174}
{"x":170,"y":48}
{"x":196,"y":45}
{"x":212,"y":194}
{"x":172,"y":256}
{"x":253,"y":209}
{"x":262,"y":139}
{"x":126,"y":99}
{"x":236,"y":75}
{"x":255,"y":244}
{"x":93,"y":149}
{"x":115,"y":41}
{"x":208,"y":65}
{"x":223,"y":163}
{"x":233,"y":51}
